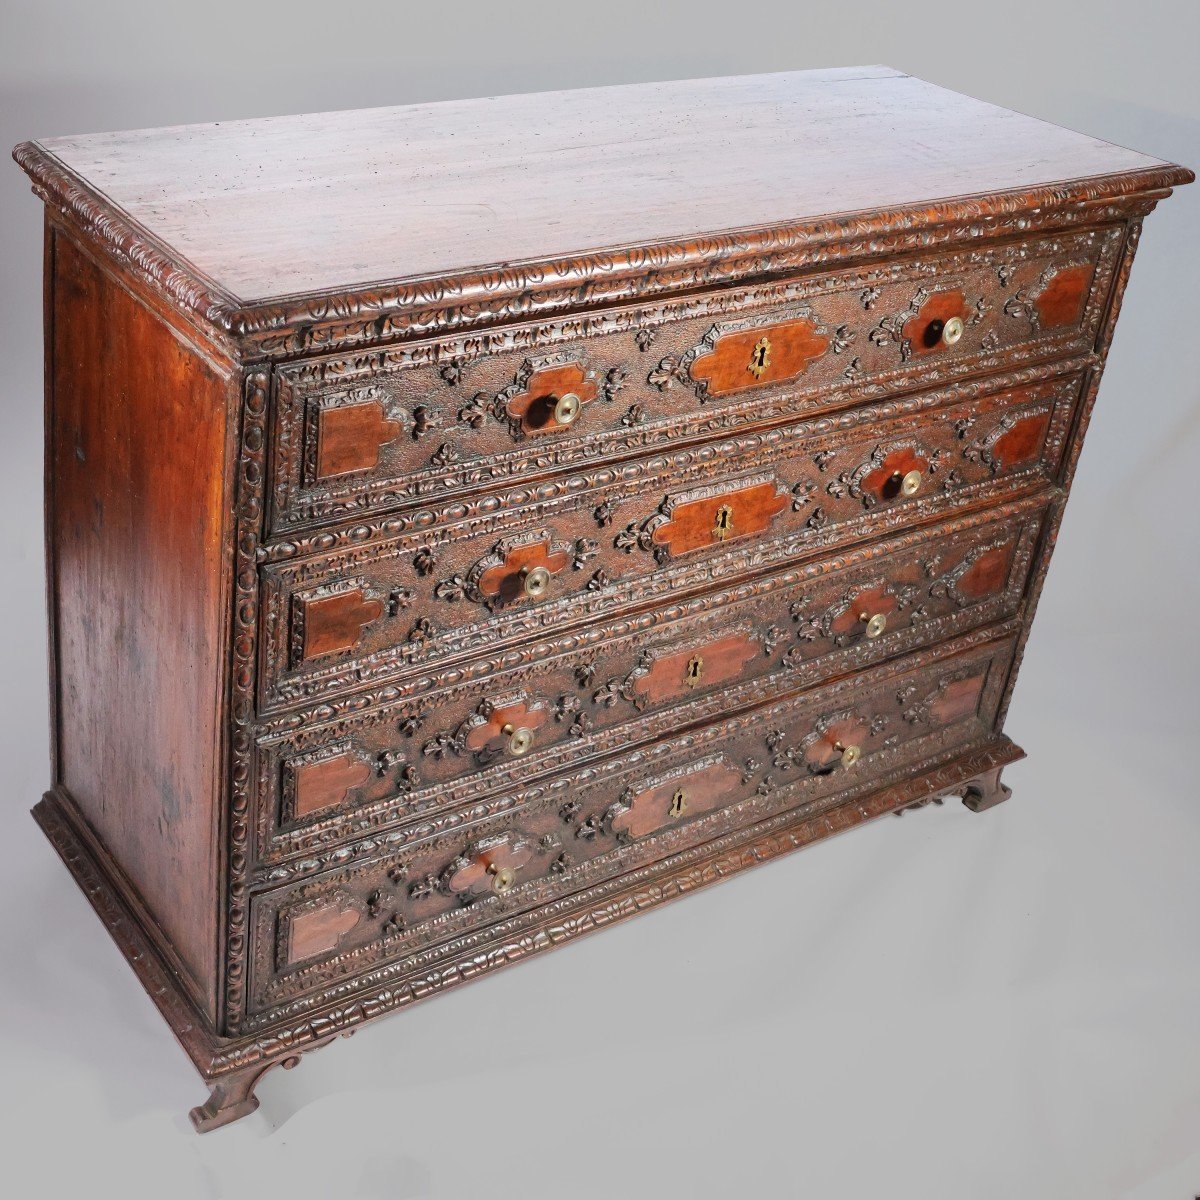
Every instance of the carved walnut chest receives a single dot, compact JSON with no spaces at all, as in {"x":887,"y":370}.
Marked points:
{"x":471,"y":524}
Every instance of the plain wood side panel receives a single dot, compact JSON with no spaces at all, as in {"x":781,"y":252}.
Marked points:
{"x":139,"y":447}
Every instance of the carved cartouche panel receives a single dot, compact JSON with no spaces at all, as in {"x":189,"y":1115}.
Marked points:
{"x":597,"y":822}
{"x":736,"y":356}
{"x":657,"y":803}
{"x":348,"y":437}
{"x":639,"y":677}
{"x":645,"y":377}
{"x":597,"y":547}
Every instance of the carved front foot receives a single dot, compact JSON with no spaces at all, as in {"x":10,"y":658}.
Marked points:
{"x":986,"y":791}
{"x":231,"y":1097}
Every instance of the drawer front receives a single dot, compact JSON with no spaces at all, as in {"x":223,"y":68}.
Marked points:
{"x":636,"y":679}
{"x":573,"y":833}
{"x":395,"y":428}
{"x":636,"y":534}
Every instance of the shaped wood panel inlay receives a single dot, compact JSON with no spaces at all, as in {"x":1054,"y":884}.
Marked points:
{"x":1013,"y":441}
{"x":1061,"y":300}
{"x":334,"y":623}
{"x":486,"y":735}
{"x":500,"y":578}
{"x":986,"y":573}
{"x":311,"y":929}
{"x":318,"y":784}
{"x":674,"y":673}
{"x":955,"y":700}
{"x":349,"y":438}
{"x":922,"y":332}
{"x":529,"y":402}
{"x":678,"y":797}
{"x":756,"y":356}
{"x":707,"y":517}
{"x":489,"y":866}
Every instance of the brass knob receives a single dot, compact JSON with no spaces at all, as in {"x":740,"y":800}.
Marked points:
{"x":503,"y":878}
{"x":850,"y":754}
{"x":910,"y":484}
{"x":952,"y":331}
{"x":520,"y":740}
{"x":875,"y":624}
{"x":567,"y":408}
{"x":535,"y":581}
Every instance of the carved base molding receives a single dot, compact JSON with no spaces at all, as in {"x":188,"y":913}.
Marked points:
{"x":233,"y":1066}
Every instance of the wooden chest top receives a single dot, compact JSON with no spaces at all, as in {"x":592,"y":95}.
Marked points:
{"x":234,"y":216}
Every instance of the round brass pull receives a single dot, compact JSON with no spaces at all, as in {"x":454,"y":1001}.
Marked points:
{"x":535,"y":582}
{"x":850,"y":754}
{"x":520,"y":740}
{"x":875,"y":624}
{"x":503,"y":878}
{"x":952,"y":331}
{"x":910,"y":484}
{"x":567,"y":408}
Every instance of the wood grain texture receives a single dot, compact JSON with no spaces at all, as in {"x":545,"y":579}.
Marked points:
{"x":140,"y":457}
{"x":364,"y":686}
{"x":285,"y":205}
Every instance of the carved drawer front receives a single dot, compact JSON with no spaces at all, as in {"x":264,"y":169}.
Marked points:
{"x":398,"y":904}
{"x":350,"y":615}
{"x":635,"y":679}
{"x":383,"y":431}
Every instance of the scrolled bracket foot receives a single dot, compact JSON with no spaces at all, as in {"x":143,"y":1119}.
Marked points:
{"x":985,"y":791}
{"x":232,"y":1097}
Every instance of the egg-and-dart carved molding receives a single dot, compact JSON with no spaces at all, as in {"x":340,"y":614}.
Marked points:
{"x":487,"y":797}
{"x":413,"y":692}
{"x":305,"y":1025}
{"x":373,"y":313}
{"x":484,"y":509}
{"x":764,"y":635}
{"x":1083,"y":414}
{"x":487,"y":461}
{"x":556,"y":809}
{"x":388,"y":721}
{"x":454,"y":635}
{"x":249,"y":517}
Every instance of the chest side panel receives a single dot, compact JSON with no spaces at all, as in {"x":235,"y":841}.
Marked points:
{"x":138,"y":428}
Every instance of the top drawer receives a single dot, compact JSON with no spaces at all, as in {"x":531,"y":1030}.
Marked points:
{"x":388,"y":429}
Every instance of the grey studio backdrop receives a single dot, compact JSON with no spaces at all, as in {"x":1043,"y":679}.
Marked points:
{"x":945,"y":1005}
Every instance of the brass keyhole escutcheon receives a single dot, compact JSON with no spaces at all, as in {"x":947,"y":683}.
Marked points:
{"x":678,"y":804}
{"x":503,"y":878}
{"x":535,"y":582}
{"x":519,"y":740}
{"x":952,"y":331}
{"x":567,"y":409}
{"x":910,"y":484}
{"x":724,"y":523}
{"x":850,"y":754}
{"x":695,"y":668}
{"x":760,"y":358}
{"x":875,"y":624}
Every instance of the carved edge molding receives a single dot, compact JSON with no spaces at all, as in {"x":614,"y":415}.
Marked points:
{"x":250,"y":478}
{"x":477,"y":297}
{"x":215,"y":1057}
{"x":482,"y":511}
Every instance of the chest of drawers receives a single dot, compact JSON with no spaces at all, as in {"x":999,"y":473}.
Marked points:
{"x":471,"y":524}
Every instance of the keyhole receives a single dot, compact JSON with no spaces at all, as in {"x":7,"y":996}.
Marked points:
{"x":724,"y":525}
{"x":760,"y":358}
{"x":678,"y":804}
{"x":694,"y":668}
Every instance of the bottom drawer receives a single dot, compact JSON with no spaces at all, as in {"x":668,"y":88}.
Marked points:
{"x":574,"y":832}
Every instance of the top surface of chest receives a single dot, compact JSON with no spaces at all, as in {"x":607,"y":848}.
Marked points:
{"x":265,"y":210}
